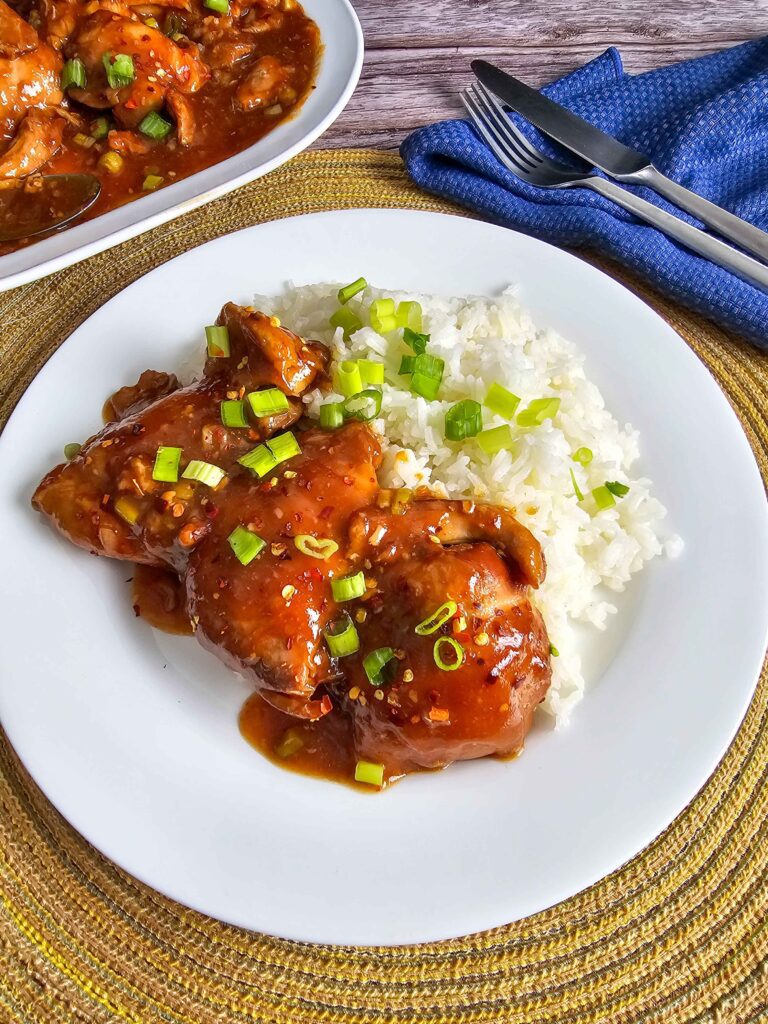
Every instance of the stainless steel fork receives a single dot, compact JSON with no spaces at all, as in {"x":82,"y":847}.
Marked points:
{"x":520,"y":157}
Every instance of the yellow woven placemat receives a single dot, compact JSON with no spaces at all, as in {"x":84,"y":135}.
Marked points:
{"x":678,"y":935}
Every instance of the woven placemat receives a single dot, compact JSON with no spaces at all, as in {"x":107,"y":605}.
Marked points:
{"x":680,"y":934}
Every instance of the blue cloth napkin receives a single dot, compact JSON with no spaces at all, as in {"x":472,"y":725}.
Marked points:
{"x":703,"y":122}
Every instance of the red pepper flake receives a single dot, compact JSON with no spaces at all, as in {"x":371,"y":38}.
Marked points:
{"x":326,"y":704}
{"x":105,"y":500}
{"x":130,"y":104}
{"x":326,"y":512}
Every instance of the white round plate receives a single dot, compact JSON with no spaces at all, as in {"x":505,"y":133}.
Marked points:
{"x":339,"y":69}
{"x":133,"y":734}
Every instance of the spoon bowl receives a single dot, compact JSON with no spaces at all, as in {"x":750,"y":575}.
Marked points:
{"x":34,"y":206}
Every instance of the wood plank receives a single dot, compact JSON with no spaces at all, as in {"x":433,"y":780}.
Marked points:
{"x":403,"y":89}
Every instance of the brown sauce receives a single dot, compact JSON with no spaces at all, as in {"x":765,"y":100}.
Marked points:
{"x":158,"y":597}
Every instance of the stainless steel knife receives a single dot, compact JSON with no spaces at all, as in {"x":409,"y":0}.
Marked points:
{"x":617,"y":160}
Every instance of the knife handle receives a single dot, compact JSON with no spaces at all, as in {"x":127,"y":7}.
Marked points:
{"x":692,"y":238}
{"x":745,"y":235}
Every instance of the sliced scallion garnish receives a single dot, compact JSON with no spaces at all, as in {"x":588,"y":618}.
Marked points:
{"x":616,"y":488}
{"x":382,"y":315}
{"x":369,"y":772}
{"x":73,"y":73}
{"x":347,"y":588}
{"x":71,"y":450}
{"x":166,"y":466}
{"x":259,"y":460}
{"x":371,"y":372}
{"x":331,"y":415}
{"x":290,"y":744}
{"x":583,"y":456}
{"x":347,"y":319}
{"x":119,"y":69}
{"x":204,"y":472}
{"x":576,"y":488}
{"x":233,"y":413}
{"x":426,"y":375}
{"x":408,"y":315}
{"x":284,"y":446}
{"x":154,"y":126}
{"x":151,"y":182}
{"x":465,"y":419}
{"x":501,"y":401}
{"x":456,"y":657}
{"x":217,"y":340}
{"x":364,"y":406}
{"x":348,"y":378}
{"x":495,"y":438}
{"x":268,"y":402}
{"x":379,"y":666}
{"x":603,"y":498}
{"x":127,"y":510}
{"x":537,"y":411}
{"x":316,"y":547}
{"x":246,"y":544}
{"x":416,"y":341}
{"x":350,"y":290}
{"x":220,"y":6}
{"x":99,"y":128}
{"x":407,"y":365}
{"x":437,"y":619}
{"x":341,"y":637}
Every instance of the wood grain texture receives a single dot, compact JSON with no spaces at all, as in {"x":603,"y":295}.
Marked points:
{"x":417,"y":54}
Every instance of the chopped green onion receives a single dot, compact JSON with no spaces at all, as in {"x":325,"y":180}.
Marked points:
{"x":246,"y":544}
{"x":415,"y":341}
{"x":71,"y":450}
{"x":316,"y":547}
{"x":151,"y":182}
{"x":166,"y":466}
{"x":83,"y":141}
{"x":154,"y":126}
{"x":407,"y":365}
{"x":457,"y":650}
{"x":268,"y":402}
{"x":538,"y":410}
{"x":259,"y":460}
{"x":99,"y":128}
{"x":364,"y":406}
{"x":348,"y":379}
{"x":583,"y":456}
{"x":127,"y":510}
{"x":576,"y":489}
{"x":382,"y":315}
{"x":501,"y":401}
{"x":379,"y":667}
{"x":174,"y":24}
{"x":73,"y":73}
{"x":370,"y":773}
{"x":331,"y":415}
{"x":350,"y":290}
{"x":494,"y":439}
{"x":554,"y":651}
{"x":290,"y":744}
{"x":408,"y":316}
{"x":120,"y":71}
{"x":347,"y":319}
{"x":233,"y":413}
{"x":437,"y":619}
{"x":371,"y":372}
{"x":111,"y":162}
{"x":284,"y":446}
{"x":616,"y":488}
{"x":204,"y":472}
{"x":217,"y":338}
{"x":347,"y":588}
{"x":427,"y":387}
{"x":341,"y":637}
{"x":603,"y":498}
{"x":465,"y":419}
{"x":220,"y":6}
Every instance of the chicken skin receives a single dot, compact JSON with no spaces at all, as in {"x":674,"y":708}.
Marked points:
{"x":294,"y":544}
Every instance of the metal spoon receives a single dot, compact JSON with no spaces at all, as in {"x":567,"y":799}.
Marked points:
{"x":33,"y":206}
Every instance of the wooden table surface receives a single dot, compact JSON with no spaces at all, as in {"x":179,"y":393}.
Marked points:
{"x":417,"y":53}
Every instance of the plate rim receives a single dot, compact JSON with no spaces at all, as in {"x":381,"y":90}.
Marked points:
{"x":725,"y":743}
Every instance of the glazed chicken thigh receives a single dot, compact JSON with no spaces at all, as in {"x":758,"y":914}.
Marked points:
{"x":449,"y":658}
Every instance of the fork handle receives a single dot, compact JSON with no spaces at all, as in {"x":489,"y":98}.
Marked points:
{"x":725,"y":223}
{"x":692,"y":238}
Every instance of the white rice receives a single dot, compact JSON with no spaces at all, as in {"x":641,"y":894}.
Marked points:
{"x":482,"y":340}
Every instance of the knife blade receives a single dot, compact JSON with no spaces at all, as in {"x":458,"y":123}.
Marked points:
{"x":613,"y":157}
